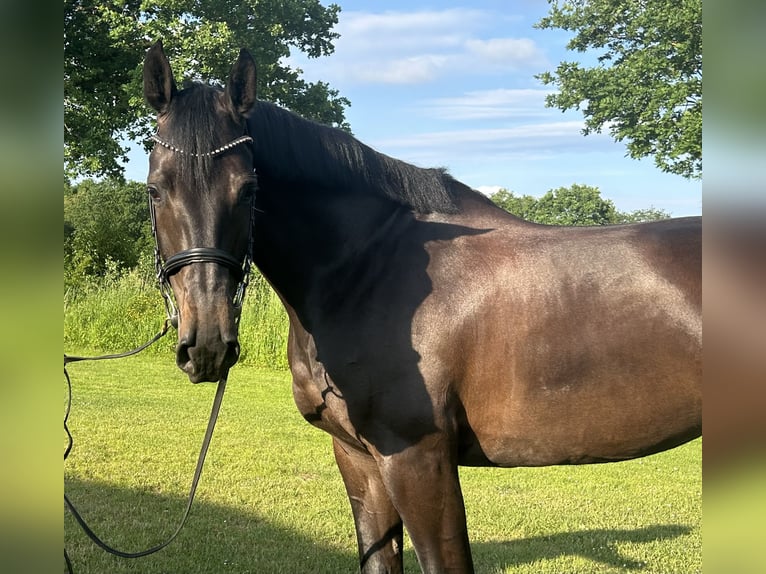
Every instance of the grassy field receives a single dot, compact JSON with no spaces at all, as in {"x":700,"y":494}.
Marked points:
{"x":272,"y":501}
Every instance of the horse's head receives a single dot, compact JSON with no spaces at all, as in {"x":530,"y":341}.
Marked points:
{"x":201,"y":185}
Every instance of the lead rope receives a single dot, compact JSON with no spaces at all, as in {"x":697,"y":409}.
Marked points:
{"x":163,"y":272}
{"x":197,"y":471}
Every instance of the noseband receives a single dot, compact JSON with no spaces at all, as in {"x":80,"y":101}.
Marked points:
{"x":174,"y":263}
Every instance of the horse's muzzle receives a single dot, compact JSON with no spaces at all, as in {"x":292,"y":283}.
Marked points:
{"x":206,"y":363}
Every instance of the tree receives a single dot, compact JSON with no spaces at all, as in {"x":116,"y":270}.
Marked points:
{"x":105,"y":222}
{"x":520,"y":205}
{"x":640,"y":215}
{"x":647,"y":87}
{"x":104,"y":45}
{"x":574,"y":205}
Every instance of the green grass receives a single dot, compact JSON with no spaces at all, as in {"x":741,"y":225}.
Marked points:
{"x":272,"y":501}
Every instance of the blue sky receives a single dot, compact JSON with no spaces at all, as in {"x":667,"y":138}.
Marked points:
{"x":451,"y":84}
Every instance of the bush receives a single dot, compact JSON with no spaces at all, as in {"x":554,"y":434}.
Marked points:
{"x":574,"y":205}
{"x":106,"y":223}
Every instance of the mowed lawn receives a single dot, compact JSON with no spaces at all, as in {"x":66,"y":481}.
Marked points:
{"x":272,"y":501}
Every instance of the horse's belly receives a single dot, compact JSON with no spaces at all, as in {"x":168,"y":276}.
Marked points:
{"x":551,"y":432}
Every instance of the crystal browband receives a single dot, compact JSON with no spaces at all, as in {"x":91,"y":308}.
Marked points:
{"x":213,"y":153}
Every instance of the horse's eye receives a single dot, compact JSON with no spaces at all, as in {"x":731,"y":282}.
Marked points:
{"x":153,"y":193}
{"x":247,"y":193}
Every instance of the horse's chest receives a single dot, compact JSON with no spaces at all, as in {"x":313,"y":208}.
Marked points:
{"x":322,"y":404}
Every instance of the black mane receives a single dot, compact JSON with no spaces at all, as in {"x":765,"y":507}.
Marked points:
{"x":291,"y":148}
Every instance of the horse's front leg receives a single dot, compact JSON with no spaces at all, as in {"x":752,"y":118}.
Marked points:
{"x":378,"y":525}
{"x":422,"y":481}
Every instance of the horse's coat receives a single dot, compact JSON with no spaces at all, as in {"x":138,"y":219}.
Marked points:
{"x":428,"y":328}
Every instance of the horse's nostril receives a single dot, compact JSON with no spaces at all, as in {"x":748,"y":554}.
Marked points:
{"x":182,"y":354}
{"x":232,"y":353}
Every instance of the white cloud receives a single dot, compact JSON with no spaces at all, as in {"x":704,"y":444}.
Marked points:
{"x":418,"y":47}
{"x":524,"y":135}
{"x":490,"y":104}
{"x":505,"y":52}
{"x":397,"y":32}
{"x":411,"y":70}
{"x":529,"y":142}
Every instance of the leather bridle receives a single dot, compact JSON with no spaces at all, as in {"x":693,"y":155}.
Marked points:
{"x":179,"y":260}
{"x":164,"y":271}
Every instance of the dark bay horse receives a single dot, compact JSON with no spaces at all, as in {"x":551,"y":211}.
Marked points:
{"x":428,"y":328}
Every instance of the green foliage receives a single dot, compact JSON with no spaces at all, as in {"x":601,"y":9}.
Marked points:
{"x":104,"y":45}
{"x":523,"y":206}
{"x":574,"y":205}
{"x":105,"y":223}
{"x":647,"y":87}
{"x":101,"y":51}
{"x":640,"y":215}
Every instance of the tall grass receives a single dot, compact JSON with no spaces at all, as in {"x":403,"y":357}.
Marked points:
{"x":263,"y":327}
{"x":125,"y":309}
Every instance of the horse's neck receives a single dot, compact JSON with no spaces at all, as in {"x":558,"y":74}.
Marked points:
{"x":311,"y":240}
{"x":302,"y":236}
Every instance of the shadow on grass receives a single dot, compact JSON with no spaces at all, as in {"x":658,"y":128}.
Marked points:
{"x":216,"y":538}
{"x":219,"y":539}
{"x":599,"y":546}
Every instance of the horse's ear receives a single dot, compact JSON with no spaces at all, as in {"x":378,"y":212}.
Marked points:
{"x":159,"y":85}
{"x":241,"y":87}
